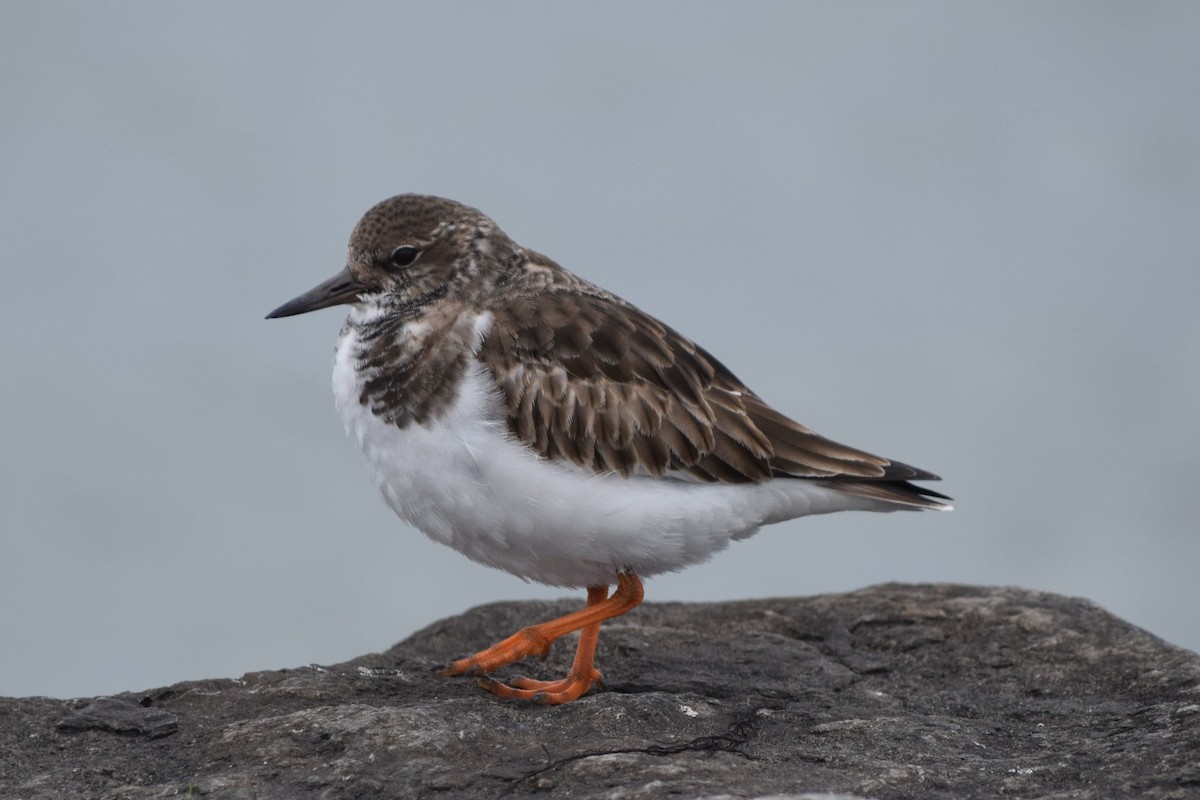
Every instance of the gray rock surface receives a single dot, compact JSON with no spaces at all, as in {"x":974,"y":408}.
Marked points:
{"x":890,"y":692}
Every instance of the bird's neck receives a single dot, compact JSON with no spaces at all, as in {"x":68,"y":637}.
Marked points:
{"x":409,"y":366}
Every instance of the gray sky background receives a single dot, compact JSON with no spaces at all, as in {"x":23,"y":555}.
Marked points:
{"x":961,"y":235}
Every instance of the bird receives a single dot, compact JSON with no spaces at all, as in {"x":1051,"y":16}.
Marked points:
{"x":541,"y":425}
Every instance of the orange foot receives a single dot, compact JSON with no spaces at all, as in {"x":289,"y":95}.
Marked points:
{"x":581,"y":677}
{"x":536,"y":640}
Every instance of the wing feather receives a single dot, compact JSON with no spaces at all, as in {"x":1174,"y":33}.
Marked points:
{"x":591,"y":379}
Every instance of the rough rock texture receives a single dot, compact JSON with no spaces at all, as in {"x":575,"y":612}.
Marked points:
{"x":890,"y":692}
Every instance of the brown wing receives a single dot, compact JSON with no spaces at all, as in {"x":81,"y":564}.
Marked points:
{"x":597,"y":382}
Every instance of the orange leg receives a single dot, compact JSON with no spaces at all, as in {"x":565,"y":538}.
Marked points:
{"x":535,"y":640}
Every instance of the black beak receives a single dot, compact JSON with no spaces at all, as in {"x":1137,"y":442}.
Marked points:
{"x":341,"y":288}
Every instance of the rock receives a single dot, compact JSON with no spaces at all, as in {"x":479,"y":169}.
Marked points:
{"x":889,"y":692}
{"x":117,"y":715}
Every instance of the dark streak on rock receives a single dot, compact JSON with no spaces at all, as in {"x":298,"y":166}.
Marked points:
{"x":731,"y":741}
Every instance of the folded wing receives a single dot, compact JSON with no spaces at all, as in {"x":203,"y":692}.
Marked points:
{"x":592,"y":380}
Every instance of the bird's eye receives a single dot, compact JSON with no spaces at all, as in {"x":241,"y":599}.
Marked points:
{"x":404,"y":255}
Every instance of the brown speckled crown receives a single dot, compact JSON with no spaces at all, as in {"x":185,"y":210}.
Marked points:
{"x":408,"y":215}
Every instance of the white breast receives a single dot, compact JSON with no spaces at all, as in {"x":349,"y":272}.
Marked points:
{"x":466,"y":483}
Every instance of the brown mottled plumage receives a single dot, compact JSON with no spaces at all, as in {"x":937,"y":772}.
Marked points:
{"x":596,"y":381}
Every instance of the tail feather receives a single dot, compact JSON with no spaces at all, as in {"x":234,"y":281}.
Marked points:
{"x":900,"y":493}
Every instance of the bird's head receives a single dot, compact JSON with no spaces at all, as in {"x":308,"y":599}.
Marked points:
{"x":411,"y":251}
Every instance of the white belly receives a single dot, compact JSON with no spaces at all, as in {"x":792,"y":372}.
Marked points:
{"x":466,"y":483}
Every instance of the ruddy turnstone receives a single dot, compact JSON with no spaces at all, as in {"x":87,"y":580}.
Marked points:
{"x":541,"y":425}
